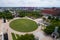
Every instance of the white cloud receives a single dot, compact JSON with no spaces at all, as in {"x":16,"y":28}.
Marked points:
{"x":35,"y":3}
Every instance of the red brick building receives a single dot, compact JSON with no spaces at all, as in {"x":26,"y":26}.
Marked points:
{"x":51,"y":11}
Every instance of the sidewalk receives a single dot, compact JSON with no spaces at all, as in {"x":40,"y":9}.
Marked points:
{"x":38,"y":32}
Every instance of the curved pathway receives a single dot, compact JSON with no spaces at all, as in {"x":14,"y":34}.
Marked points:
{"x":38,"y":32}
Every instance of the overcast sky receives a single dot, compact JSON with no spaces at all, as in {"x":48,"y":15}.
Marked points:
{"x":29,"y":3}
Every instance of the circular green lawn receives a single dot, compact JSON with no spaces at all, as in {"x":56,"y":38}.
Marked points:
{"x":23,"y":25}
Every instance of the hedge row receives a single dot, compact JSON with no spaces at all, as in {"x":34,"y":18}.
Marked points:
{"x":6,"y":14}
{"x":35,"y":14}
{"x":23,"y":37}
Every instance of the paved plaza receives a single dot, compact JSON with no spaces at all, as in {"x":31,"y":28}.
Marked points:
{"x":38,"y":32}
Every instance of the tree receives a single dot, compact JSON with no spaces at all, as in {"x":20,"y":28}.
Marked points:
{"x":50,"y":29}
{"x":59,"y":30}
{"x":57,"y":19}
{"x":6,"y":14}
{"x":53,"y":18}
{"x":26,"y":37}
{"x":23,"y":37}
{"x":0,"y":14}
{"x":49,"y":17}
{"x":22,"y":13}
{"x":35,"y":14}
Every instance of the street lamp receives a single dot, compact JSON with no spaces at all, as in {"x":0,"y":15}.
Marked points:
{"x":4,"y":20}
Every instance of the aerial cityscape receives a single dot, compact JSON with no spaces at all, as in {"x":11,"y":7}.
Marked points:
{"x":29,"y":20}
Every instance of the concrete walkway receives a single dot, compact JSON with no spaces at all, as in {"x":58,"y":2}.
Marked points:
{"x":38,"y":32}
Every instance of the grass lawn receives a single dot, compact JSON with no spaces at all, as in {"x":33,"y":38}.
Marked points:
{"x":23,"y":25}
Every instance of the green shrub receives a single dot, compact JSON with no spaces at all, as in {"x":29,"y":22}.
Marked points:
{"x":50,"y":29}
{"x":6,"y":14}
{"x":23,"y":37}
{"x":34,"y":14}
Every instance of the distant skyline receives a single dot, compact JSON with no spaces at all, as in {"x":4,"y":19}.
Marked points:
{"x":29,"y":3}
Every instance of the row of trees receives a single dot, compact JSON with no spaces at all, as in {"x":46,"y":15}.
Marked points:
{"x":53,"y":18}
{"x":22,"y":13}
{"x":53,"y":23}
{"x":35,"y":14}
{"x":23,"y":37}
{"x":6,"y":14}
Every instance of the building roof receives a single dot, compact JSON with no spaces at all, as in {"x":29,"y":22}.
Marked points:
{"x":52,"y":11}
